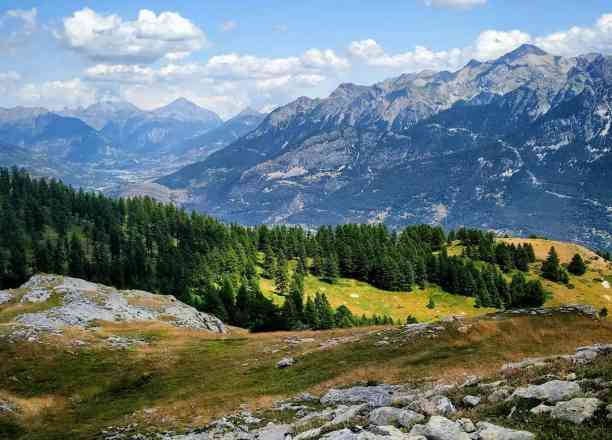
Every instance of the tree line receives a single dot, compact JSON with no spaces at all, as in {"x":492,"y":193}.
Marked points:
{"x":46,"y":226}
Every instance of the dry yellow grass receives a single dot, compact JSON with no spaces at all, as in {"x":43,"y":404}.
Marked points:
{"x":565,"y":250}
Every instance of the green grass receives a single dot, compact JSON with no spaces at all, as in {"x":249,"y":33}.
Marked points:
{"x":363,"y":298}
{"x":190,"y":377}
{"x":10,"y":310}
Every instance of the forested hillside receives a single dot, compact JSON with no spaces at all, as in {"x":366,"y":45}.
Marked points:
{"x":49,"y":227}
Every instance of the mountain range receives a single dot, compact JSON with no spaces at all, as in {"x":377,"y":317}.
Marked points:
{"x":519,"y":144}
{"x":111,"y":144}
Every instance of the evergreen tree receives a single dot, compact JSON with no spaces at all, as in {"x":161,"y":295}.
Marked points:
{"x":330,"y":271}
{"x":324,"y":312}
{"x":269,"y":265}
{"x":552,"y":270}
{"x":311,"y":317}
{"x":228,"y":298}
{"x":282,"y":277}
{"x":577,"y":266}
{"x":344,"y":317}
{"x":244,"y":303}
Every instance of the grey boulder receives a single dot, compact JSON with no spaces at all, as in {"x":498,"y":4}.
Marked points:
{"x":553,"y":391}
{"x":385,"y":416}
{"x":488,"y":431}
{"x":576,"y":410}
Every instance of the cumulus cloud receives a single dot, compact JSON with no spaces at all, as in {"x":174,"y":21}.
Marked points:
{"x":421,"y":58}
{"x":580,"y":40}
{"x":314,"y":63}
{"x":16,"y":27}
{"x":489,"y":45}
{"x":243,"y":79}
{"x":465,"y":4}
{"x":108,"y":38}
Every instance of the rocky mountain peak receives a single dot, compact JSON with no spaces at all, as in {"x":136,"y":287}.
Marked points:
{"x":248,"y":111}
{"x":523,"y":51}
{"x":183,"y":109}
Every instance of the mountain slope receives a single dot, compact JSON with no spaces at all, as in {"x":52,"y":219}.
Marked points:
{"x":218,"y":138}
{"x":54,"y":136}
{"x":521,"y":144}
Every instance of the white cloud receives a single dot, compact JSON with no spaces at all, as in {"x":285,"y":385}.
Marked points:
{"x":421,"y":58}
{"x":58,"y":94}
{"x":229,"y":25}
{"x":493,"y":44}
{"x":241,"y":79}
{"x":108,"y":38}
{"x":580,"y":40}
{"x":466,"y":4}
{"x":16,"y":28}
{"x":489,"y":45}
{"x":27,"y":16}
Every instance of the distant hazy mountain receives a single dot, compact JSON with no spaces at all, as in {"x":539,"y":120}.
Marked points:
{"x":98,"y":115}
{"x":38,"y":131}
{"x":163,"y":129}
{"x":231,"y":130}
{"x":522,"y":143}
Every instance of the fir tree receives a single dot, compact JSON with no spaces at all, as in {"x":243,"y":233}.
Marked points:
{"x":577,"y":266}
{"x":228,"y":298}
{"x":269,"y":265}
{"x":552,"y":270}
{"x":281,"y":280}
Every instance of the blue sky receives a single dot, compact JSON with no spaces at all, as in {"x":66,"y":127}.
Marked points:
{"x":226,"y":54}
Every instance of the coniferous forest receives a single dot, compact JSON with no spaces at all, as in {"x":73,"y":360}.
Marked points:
{"x":46,"y":226}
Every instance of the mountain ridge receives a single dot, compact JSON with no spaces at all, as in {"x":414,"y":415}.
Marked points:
{"x":500,"y":125}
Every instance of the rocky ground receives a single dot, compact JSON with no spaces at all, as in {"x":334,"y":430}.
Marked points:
{"x":557,"y":389}
{"x":50,"y":303}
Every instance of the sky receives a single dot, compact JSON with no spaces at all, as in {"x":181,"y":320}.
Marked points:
{"x":226,"y":55}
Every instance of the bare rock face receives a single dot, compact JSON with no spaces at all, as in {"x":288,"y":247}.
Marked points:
{"x":81,"y":303}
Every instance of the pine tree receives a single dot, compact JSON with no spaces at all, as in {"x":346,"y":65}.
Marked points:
{"x":344,"y":317}
{"x":330,"y":271}
{"x":577,"y":266}
{"x":296,"y":293}
{"x":77,"y":262}
{"x":244,"y":304}
{"x":213,"y":303}
{"x":310,"y":314}
{"x":324,"y":312}
{"x":552,"y":270}
{"x":228,"y":298}
{"x":281,"y":280}
{"x":269,"y":265}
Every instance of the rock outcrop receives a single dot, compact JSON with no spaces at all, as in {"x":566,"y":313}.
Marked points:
{"x":75,"y":302}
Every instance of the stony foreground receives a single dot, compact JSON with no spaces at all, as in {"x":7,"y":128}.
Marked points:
{"x":62,"y":302}
{"x":434,"y":411}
